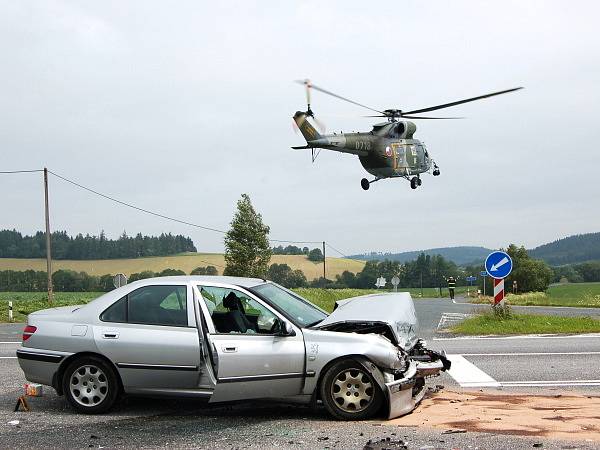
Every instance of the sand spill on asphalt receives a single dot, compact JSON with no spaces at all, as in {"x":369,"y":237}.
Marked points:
{"x":556,"y":416}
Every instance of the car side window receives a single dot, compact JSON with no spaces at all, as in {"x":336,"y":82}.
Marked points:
{"x":117,"y":312}
{"x":152,"y":305}
{"x":233,"y":312}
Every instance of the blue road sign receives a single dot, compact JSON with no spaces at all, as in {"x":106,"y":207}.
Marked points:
{"x":483,"y":273}
{"x":471,"y":279}
{"x":498,"y":265}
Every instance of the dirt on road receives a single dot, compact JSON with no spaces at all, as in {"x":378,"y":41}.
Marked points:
{"x":557,"y":417}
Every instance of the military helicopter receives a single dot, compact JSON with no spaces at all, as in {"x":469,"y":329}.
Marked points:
{"x":388,"y":150}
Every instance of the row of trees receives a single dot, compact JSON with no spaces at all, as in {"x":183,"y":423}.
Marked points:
{"x":578,"y":273}
{"x":15,"y":245}
{"x":72,"y":281}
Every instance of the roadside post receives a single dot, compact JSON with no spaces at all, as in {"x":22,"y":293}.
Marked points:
{"x":470,"y":279}
{"x":395,"y":282}
{"x":483,"y":274}
{"x":498,"y":265}
{"x":10,"y":311}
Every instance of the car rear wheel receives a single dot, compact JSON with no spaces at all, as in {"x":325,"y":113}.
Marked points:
{"x":90,"y":385}
{"x":349,"y":391}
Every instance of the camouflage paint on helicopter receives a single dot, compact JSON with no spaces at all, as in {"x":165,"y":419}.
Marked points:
{"x":388,"y":150}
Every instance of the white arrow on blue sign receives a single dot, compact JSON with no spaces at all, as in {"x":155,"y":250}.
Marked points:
{"x":498,"y":265}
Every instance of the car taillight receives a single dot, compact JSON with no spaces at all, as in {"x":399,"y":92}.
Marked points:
{"x":28,"y":332}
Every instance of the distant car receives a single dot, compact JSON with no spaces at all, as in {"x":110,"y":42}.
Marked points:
{"x":225,"y":338}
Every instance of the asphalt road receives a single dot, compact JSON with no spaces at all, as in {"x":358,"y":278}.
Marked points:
{"x":518,"y":364}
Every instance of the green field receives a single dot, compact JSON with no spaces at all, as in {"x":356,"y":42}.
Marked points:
{"x":569,"y":294}
{"x":488,"y":324}
{"x":186,"y":262}
{"x":27,"y":302}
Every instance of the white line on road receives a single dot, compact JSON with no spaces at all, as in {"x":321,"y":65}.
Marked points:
{"x":521,"y":336}
{"x":11,"y":342}
{"x":565,"y":383}
{"x":8,"y":357}
{"x":468,"y":374}
{"x":531,"y":354}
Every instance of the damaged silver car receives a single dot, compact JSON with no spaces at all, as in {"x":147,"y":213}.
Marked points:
{"x":224,"y":338}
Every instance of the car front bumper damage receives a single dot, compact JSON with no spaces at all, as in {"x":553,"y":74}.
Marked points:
{"x":404,"y":394}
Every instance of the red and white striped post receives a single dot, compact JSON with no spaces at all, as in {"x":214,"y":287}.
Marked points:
{"x":498,"y":292}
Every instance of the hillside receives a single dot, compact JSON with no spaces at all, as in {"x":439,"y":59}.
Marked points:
{"x":186,"y":262}
{"x":572,"y":249}
{"x":459,"y":255}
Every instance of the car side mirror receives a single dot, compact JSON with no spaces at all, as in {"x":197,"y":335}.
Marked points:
{"x":285,"y":329}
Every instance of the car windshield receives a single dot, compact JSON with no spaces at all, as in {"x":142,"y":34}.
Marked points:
{"x":302,"y":311}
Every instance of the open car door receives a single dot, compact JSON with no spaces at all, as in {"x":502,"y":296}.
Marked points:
{"x":252,"y":356}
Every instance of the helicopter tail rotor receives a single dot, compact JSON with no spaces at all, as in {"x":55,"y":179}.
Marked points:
{"x":309,"y":112}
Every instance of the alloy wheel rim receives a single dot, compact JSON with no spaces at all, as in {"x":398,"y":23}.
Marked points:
{"x":352,"y":390}
{"x":88,"y":385}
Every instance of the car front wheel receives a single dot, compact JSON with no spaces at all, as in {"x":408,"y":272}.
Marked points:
{"x":349,"y":391}
{"x":90,"y":385}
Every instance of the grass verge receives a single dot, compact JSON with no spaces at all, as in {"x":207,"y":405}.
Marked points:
{"x":582,"y":295}
{"x":27,"y":302}
{"x":489,"y":323}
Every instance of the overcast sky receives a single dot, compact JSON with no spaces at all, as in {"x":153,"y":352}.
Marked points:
{"x":180,"y":107}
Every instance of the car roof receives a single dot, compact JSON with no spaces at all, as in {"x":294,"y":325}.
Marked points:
{"x":236,"y":281}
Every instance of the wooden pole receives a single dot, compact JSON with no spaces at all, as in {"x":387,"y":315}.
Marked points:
{"x":324,"y":277}
{"x":48,"y":249}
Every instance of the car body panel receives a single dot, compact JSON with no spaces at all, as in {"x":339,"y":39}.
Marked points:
{"x":395,"y":309}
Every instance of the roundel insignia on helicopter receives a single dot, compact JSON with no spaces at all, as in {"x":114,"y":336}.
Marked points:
{"x":388,"y":152}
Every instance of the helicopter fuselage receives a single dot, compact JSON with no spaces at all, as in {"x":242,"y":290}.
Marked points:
{"x":383,"y":157}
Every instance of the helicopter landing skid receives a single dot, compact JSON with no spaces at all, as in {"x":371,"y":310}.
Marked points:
{"x":365,"y":184}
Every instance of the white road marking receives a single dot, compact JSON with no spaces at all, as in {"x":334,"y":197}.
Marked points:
{"x":563,"y":383}
{"x":468,"y":374}
{"x":451,"y":319}
{"x":531,"y":354}
{"x":8,"y":357}
{"x":11,"y":342}
{"x":521,"y":336}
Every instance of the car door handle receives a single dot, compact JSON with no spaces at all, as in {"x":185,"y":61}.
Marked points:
{"x":110,"y":335}
{"x":229,"y":349}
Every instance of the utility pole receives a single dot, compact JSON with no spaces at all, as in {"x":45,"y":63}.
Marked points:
{"x":48,"y":250}
{"x":324,"y":277}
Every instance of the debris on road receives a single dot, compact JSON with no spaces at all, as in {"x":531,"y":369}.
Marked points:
{"x":454,"y":431}
{"x":13,"y":423}
{"x":385,"y":444}
{"x":551,"y":416}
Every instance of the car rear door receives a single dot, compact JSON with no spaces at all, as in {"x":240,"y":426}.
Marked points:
{"x":250,"y":361}
{"x":151,"y":336}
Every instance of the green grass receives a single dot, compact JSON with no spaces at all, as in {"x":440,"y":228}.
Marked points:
{"x":570,"y":294}
{"x":27,"y":302}
{"x":326,"y":298}
{"x":487,"y":323}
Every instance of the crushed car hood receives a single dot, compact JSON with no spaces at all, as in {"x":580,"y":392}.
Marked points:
{"x":368,"y":313}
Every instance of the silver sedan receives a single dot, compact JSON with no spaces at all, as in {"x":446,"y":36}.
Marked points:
{"x":224,"y":338}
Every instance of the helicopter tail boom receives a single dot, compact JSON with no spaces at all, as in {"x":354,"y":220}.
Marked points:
{"x":308,"y":131}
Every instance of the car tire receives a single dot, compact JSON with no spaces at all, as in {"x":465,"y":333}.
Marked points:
{"x":90,"y":385}
{"x":349,"y":391}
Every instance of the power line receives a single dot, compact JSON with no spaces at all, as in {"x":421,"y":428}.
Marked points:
{"x":163,"y":216}
{"x":343,"y":255}
{"x":21,"y":171}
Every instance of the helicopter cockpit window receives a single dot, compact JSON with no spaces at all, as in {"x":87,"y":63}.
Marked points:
{"x":400,"y":128}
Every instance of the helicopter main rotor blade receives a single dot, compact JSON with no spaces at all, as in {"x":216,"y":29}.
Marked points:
{"x":447,"y":105}
{"x":324,"y":91}
{"x":436,"y":118}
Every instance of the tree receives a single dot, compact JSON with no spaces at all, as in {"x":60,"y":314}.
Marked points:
{"x":315,"y":255}
{"x":208,"y":270}
{"x":247,"y":249}
{"x":530,"y":274}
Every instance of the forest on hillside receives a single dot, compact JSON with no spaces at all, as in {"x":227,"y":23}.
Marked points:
{"x":15,"y":245}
